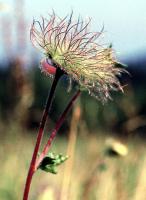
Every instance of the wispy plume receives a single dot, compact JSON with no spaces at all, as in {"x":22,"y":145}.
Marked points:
{"x":69,"y":44}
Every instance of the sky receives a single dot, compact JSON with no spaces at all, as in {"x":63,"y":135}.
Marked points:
{"x":124,"y":21}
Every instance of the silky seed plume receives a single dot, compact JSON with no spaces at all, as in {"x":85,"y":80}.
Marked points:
{"x":72,"y":47}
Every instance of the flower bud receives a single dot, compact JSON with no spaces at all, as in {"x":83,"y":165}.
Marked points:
{"x":47,"y":67}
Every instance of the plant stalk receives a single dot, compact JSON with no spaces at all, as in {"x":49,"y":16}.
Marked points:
{"x":55,"y":130}
{"x":31,"y":171}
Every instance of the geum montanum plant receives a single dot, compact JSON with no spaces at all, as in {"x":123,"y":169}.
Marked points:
{"x":70,"y":49}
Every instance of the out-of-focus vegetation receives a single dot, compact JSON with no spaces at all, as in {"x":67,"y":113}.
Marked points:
{"x":23,"y":93}
{"x":94,"y":175}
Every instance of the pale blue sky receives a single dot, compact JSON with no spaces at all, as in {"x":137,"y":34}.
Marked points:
{"x":124,"y":21}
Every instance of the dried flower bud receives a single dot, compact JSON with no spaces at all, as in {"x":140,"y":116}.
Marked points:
{"x":69,"y":45}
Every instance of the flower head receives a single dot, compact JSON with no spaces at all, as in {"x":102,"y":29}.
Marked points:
{"x":69,"y":44}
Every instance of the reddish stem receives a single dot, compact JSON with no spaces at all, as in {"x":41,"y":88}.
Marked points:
{"x":57,"y":127}
{"x":31,"y":171}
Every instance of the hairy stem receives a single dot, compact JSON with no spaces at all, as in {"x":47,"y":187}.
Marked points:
{"x":31,"y":171}
{"x":55,"y":130}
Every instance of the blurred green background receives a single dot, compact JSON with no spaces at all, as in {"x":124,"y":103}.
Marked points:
{"x":89,"y":132}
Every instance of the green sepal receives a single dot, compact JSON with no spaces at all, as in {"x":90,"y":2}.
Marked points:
{"x":50,"y":162}
{"x":118,"y":64}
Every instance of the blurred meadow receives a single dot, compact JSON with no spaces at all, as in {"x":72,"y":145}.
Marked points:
{"x":106,"y":144}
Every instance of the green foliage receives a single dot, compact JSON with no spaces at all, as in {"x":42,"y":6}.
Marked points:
{"x":50,"y":162}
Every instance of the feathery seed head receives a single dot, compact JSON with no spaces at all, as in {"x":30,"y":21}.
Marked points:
{"x":68,"y":44}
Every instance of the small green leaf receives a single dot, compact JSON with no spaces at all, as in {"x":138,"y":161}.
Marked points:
{"x":50,"y":162}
